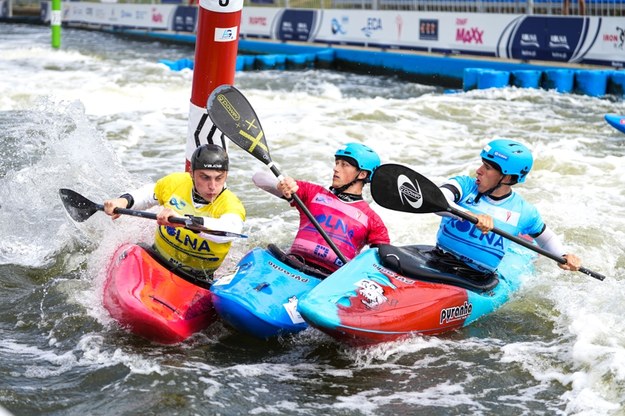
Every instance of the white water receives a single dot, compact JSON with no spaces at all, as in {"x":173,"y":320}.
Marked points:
{"x":101,"y":116}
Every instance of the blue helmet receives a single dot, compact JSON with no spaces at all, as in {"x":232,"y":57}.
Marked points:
{"x":360,"y":156}
{"x":512,"y":158}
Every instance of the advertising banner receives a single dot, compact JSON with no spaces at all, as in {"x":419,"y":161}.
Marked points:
{"x":571,"y":39}
{"x":130,"y":15}
{"x":445,"y":32}
{"x":185,"y":19}
{"x":608,"y":42}
{"x":296,"y":25}
{"x":259,"y":22}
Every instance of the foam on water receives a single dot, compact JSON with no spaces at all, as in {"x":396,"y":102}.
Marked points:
{"x":101,"y":124}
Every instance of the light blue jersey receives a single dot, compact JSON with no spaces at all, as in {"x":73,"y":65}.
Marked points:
{"x":485,"y":251}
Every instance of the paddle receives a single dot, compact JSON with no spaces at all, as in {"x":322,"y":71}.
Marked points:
{"x":400,"y":188}
{"x":230,"y":111}
{"x":80,"y":209}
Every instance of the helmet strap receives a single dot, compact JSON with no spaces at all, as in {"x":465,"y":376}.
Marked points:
{"x":338,"y":191}
{"x":197,"y":198}
{"x":344,"y":196}
{"x":494,"y":188}
{"x":514,"y":182}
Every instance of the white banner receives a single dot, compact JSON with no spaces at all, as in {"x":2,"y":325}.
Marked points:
{"x":426,"y":31}
{"x":259,"y":21}
{"x":132,"y":15}
{"x":573,"y":39}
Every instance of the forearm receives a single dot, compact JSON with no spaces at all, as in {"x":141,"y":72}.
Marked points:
{"x":451,"y":196}
{"x":143,"y":198}
{"x":548,"y":240}
{"x":267,"y":182}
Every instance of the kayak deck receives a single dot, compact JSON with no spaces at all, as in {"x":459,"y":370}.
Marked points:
{"x":365,"y":302}
{"x":260,"y":297}
{"x":152,"y":301}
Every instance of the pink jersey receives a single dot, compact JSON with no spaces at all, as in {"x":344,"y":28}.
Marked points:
{"x":350,"y":225}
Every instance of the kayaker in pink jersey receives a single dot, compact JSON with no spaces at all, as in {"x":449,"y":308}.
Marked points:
{"x":340,"y":210}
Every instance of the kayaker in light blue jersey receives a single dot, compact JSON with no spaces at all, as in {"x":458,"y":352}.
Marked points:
{"x":490,"y":197}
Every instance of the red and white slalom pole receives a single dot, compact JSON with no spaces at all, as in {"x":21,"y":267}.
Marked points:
{"x":216,"y":45}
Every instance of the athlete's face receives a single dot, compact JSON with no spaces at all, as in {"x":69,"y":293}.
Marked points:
{"x":209,"y":183}
{"x":487,"y":177}
{"x":344,"y":173}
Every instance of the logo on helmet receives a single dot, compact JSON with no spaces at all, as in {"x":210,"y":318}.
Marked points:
{"x":501,"y":155}
{"x":215,"y":166}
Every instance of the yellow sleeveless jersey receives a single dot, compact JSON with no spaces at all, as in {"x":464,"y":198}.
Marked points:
{"x":184,"y":247}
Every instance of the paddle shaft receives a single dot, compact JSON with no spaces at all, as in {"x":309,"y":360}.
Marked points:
{"x":87,"y":204}
{"x":524,"y":243}
{"x":233,"y":114}
{"x":175,"y":220}
{"x":311,"y":217}
{"x":400,"y":188}
{"x":142,"y":214}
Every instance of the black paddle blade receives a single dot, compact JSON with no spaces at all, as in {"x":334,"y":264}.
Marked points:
{"x":230,"y":111}
{"x":77,"y":206}
{"x":400,"y":188}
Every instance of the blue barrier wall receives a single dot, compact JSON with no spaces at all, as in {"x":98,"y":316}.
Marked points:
{"x":436,"y":70}
{"x":595,"y":83}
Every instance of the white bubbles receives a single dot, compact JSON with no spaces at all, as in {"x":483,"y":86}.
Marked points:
{"x":102,"y":124}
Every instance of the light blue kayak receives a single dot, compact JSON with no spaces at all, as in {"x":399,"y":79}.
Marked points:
{"x":388,"y":293}
{"x":616,"y":121}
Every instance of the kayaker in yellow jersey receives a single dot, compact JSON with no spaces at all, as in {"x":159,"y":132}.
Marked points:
{"x":200,"y":194}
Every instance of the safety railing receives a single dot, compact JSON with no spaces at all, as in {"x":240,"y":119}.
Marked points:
{"x":550,"y":7}
{"x":544,"y":7}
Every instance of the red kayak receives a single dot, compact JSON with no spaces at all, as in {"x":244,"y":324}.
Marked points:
{"x":146,"y":297}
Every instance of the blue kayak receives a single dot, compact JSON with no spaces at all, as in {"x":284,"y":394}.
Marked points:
{"x":389,"y":293}
{"x":616,"y":121}
{"x":260,"y":298}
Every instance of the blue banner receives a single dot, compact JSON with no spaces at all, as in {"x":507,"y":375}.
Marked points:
{"x":553,"y":39}
{"x":296,"y":25}
{"x":185,"y":19}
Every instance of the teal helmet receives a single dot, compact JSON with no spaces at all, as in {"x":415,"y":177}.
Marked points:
{"x":360,"y":156}
{"x":510,"y":157}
